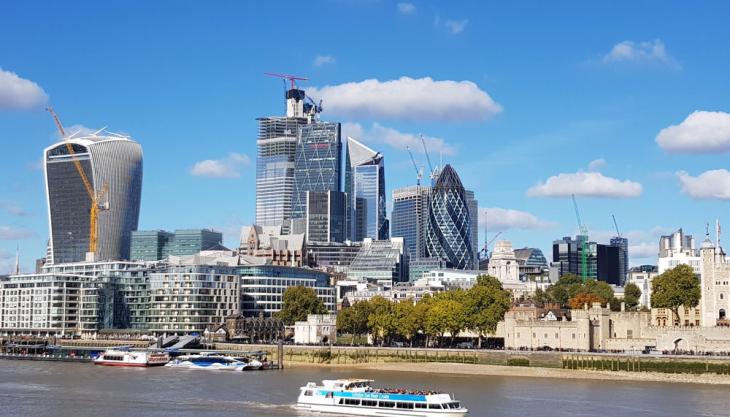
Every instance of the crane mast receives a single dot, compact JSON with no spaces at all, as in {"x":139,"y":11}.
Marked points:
{"x":583,"y":241}
{"x":419,"y":171}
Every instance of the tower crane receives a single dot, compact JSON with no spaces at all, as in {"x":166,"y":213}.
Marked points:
{"x":583,"y":241}
{"x":419,"y":171}
{"x":96,"y":198}
{"x":485,"y":249}
{"x":291,"y":78}
{"x":618,"y":233}
{"x":432,"y":172}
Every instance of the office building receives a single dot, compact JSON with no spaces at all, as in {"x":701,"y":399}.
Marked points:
{"x":276,"y":161}
{"x":366,"y":173}
{"x":473,"y":205}
{"x":678,"y":249}
{"x":623,"y":258}
{"x":417,"y":267}
{"x":318,"y":163}
{"x":380,"y":261}
{"x":336,"y":255}
{"x":326,"y":216}
{"x":92,"y":176}
{"x":532,"y":264}
{"x":154,"y":245}
{"x":449,"y":226}
{"x":263,"y":286}
{"x":409,"y":218}
{"x":608,"y":262}
{"x":643,"y":277}
{"x":568,"y":257}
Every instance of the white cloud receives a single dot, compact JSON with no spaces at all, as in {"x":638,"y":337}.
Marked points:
{"x":713,"y":184}
{"x":320,"y":60}
{"x":643,"y":244}
{"x":501,"y":219}
{"x":422,"y":99}
{"x":227,"y":167}
{"x":15,"y":233}
{"x":406,"y":8}
{"x":13,"y":209}
{"x":596,"y":164}
{"x":587,"y":184}
{"x":456,"y":26}
{"x":640,"y":52}
{"x":701,"y":131}
{"x":20,"y":94}
{"x":378,"y":134}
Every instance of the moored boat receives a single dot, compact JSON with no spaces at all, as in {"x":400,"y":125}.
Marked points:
{"x":358,"y":397}
{"x":210,"y":361}
{"x":140,"y":358}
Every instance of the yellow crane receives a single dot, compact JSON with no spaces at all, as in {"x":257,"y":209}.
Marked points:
{"x":95,"y":197}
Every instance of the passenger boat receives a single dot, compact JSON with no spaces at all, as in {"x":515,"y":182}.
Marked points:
{"x":357,"y":397}
{"x":251,"y":364}
{"x":207,"y":361}
{"x":121,"y":357}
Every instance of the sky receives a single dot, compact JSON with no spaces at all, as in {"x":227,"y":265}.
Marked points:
{"x":624,"y":104}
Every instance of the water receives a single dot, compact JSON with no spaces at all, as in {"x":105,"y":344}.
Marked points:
{"x":80,"y":390}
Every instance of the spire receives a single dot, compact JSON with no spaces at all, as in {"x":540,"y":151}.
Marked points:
{"x":17,"y":260}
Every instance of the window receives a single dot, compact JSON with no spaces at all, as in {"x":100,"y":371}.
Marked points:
{"x":407,"y":406}
{"x":420,"y":405}
{"x":386,"y":404}
{"x":369,"y":403}
{"x":434,"y":406}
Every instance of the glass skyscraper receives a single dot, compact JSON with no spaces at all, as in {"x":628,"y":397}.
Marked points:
{"x":325,"y":216}
{"x":318,"y":163}
{"x":112,"y":164}
{"x":449,"y":223}
{"x":367,"y":192}
{"x":409,"y":218}
{"x":153,"y":245}
{"x":276,"y":160}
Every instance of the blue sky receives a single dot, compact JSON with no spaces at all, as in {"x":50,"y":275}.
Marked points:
{"x":528,"y":100}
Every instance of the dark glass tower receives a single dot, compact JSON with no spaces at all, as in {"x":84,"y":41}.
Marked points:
{"x":449,"y":222}
{"x":366,"y":173}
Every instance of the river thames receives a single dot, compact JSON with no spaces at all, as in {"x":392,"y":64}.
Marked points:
{"x":79,"y":390}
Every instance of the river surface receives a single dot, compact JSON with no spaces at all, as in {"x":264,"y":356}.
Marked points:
{"x":80,"y":390}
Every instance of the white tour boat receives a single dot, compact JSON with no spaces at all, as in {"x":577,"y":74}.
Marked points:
{"x":121,"y":357}
{"x":357,"y":397}
{"x":211,"y":361}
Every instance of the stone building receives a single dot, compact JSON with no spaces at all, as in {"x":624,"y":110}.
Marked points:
{"x":715,"y":284}
{"x":503,"y":263}
{"x":319,"y":328}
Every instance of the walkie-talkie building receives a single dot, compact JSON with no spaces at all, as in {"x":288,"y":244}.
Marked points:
{"x":449,"y":224}
{"x":112,"y":166}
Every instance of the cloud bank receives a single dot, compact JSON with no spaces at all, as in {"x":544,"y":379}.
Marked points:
{"x":20,"y":94}
{"x":501,"y":219}
{"x":713,"y":184}
{"x":228,"y":167}
{"x":700,"y":132}
{"x":586,"y":184}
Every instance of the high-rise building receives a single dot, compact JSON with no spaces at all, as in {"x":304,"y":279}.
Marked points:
{"x":623,"y":258}
{"x":325,"y":216}
{"x":473,"y":205}
{"x":380,"y":260}
{"x":677,"y":249}
{"x":567,"y":256}
{"x":83,"y":171}
{"x":609,"y":264}
{"x":318,"y":163}
{"x":449,"y":225}
{"x":409,"y":218}
{"x":276,"y":161}
{"x":154,"y":245}
{"x":367,"y":191}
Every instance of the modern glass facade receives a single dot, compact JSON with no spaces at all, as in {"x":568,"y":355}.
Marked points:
{"x":367,"y":173}
{"x":110,"y":163}
{"x":409,"y":218}
{"x":380,"y":260}
{"x":473,"y":205}
{"x":623,"y":261}
{"x":325,"y":216}
{"x":154,"y":245}
{"x":449,"y":225}
{"x":275,"y":164}
{"x":567,"y":254}
{"x":318,"y":163}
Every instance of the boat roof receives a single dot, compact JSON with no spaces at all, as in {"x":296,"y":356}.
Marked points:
{"x":348,"y":380}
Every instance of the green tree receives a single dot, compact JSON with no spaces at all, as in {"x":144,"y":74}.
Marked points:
{"x":354,"y":319}
{"x":406,"y":324}
{"x":446,"y":315}
{"x":381,"y":321}
{"x":485,"y":305}
{"x":540,"y":297}
{"x":674,"y":288}
{"x":632,"y":294}
{"x":298,"y":302}
{"x":567,"y":287}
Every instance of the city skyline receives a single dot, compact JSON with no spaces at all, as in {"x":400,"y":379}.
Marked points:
{"x":612,"y":111}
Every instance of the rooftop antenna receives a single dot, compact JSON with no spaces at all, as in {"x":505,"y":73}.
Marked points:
{"x":17,"y":260}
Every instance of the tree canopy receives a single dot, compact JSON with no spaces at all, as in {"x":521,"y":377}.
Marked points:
{"x":298,"y":302}
{"x":632,"y":295}
{"x":675,"y":288}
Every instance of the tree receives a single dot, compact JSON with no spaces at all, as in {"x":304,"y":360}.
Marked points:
{"x":446,"y":315}
{"x":381,"y":321}
{"x":632,"y":294}
{"x":485,"y":305}
{"x":577,"y":302}
{"x":540,"y":297}
{"x":354,"y":319}
{"x":298,"y":302}
{"x":674,"y":288}
{"x":406,"y":324}
{"x":567,"y":287}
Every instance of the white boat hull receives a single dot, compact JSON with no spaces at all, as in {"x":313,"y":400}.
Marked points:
{"x":375,"y":411}
{"x":212,"y":367}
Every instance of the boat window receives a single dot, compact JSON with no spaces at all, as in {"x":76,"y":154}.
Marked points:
{"x":420,"y":405}
{"x":349,"y":401}
{"x":386,"y":404}
{"x":308,"y":393}
{"x":369,"y":403}
{"x":434,"y":406}
{"x":340,"y":401}
{"x":454,"y":405}
{"x":407,"y":406}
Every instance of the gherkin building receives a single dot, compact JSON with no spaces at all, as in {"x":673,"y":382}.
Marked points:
{"x":449,"y":223}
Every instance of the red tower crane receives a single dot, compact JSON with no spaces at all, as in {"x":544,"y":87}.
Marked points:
{"x":292,"y":78}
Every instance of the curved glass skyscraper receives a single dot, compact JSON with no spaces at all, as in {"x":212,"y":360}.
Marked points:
{"x":110,"y":163}
{"x":449,"y":223}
